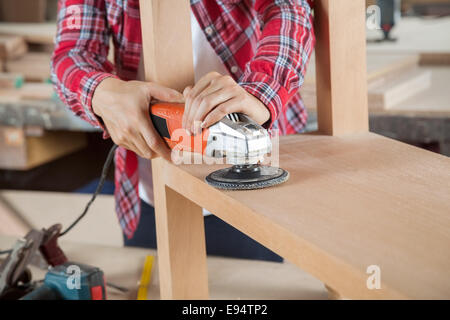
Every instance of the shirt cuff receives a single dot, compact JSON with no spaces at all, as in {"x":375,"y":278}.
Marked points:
{"x":88,"y":84}
{"x":268,"y":91}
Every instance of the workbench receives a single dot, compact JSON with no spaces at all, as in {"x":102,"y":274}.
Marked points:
{"x":229,"y":278}
{"x":351,"y":202}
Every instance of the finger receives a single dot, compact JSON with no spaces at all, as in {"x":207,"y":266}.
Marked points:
{"x":131,"y":147}
{"x":195,"y":104}
{"x":186,"y":92}
{"x":203,"y":83}
{"x":215,"y":85}
{"x":154,"y":141}
{"x":198,"y":87}
{"x":119,"y":137}
{"x":217,"y":114}
{"x":208,"y":103}
{"x":142,"y":146}
{"x":162,"y":93}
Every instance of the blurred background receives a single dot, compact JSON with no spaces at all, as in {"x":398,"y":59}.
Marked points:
{"x":44,"y":147}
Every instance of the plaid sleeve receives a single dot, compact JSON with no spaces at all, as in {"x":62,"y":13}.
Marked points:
{"x":277,"y":70}
{"x":79,"y":61}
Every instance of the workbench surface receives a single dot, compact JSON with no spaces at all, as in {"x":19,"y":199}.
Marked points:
{"x":351,"y":202}
{"x":229,"y":278}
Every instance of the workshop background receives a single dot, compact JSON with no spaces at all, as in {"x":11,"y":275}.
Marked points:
{"x":50,"y":161}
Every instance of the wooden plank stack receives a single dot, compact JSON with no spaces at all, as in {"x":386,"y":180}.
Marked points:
{"x":391,"y":78}
{"x":19,"y":68}
{"x":25,"y":53}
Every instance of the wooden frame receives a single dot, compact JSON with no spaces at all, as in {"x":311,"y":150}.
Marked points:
{"x":353,"y":201}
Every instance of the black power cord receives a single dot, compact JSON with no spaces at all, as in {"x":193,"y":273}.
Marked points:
{"x":99,"y":188}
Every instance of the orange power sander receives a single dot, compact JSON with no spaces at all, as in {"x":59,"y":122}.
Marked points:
{"x":239,"y":140}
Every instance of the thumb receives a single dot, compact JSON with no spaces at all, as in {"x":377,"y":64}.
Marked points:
{"x":165,"y":94}
{"x":186,"y":91}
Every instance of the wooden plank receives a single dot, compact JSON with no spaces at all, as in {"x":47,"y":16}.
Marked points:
{"x":434,"y":101}
{"x":34,"y":66}
{"x":387,"y":93}
{"x":351,"y":202}
{"x":21,"y":152}
{"x":36,"y":91}
{"x":26,"y":91}
{"x":379,"y":64}
{"x":12,"y":47}
{"x":23,"y":10}
{"x":341,"y":67}
{"x":10,"y":80}
{"x":167,"y":42}
{"x":39,"y":33}
{"x":181,"y":242}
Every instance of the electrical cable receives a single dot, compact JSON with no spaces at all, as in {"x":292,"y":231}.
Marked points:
{"x":5,"y":252}
{"x":99,"y":188}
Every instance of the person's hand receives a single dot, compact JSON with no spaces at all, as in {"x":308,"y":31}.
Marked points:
{"x":213,"y":97}
{"x":124,"y":109}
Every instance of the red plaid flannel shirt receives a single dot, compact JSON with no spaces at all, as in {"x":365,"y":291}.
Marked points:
{"x":265,"y":45}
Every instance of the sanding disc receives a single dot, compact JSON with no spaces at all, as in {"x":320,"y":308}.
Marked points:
{"x":247,"y":177}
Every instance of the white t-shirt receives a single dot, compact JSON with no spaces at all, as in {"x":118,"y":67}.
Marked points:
{"x":205,"y":61}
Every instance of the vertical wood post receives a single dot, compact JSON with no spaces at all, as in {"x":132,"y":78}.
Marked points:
{"x":341,"y":76}
{"x":181,"y":241}
{"x":167,"y":52}
{"x":167,"y":42}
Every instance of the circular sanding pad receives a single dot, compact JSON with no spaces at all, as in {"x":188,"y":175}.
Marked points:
{"x":260,"y":177}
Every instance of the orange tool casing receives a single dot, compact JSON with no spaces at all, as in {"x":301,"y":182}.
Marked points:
{"x":167,"y":119}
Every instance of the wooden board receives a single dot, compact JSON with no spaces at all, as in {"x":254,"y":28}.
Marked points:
{"x":10,"y":80}
{"x":34,"y":66}
{"x":12,"y":47}
{"x":230,"y":278}
{"x":351,"y":202}
{"x":21,"y":152}
{"x":39,"y":33}
{"x":23,"y":10}
{"x":36,"y":91}
{"x":167,"y":42}
{"x":27,"y":92}
{"x":386,"y":93}
{"x":379,"y":64}
{"x":433,"y":102}
{"x":341,"y":67}
{"x":180,"y":225}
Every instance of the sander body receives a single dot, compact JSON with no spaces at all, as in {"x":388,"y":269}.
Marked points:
{"x":237,"y":139}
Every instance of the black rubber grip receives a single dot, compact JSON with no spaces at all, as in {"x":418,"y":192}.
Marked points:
{"x":160,"y":125}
